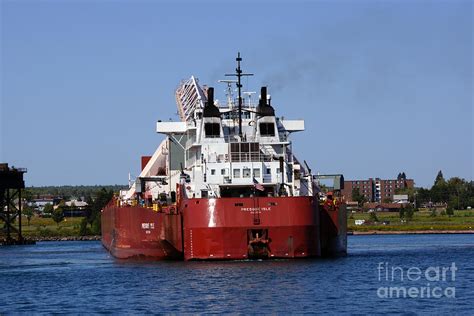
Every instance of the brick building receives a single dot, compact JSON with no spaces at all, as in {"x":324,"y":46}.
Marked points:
{"x":376,"y":189}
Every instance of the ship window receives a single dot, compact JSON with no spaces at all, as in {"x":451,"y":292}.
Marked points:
{"x":223,"y":172}
{"x":256,"y":173}
{"x":269,"y":171}
{"x":236,"y":173}
{"x":212,"y":129}
{"x":213,"y":171}
{"x":246,"y":173}
{"x":267,"y":129}
{"x":244,"y":152}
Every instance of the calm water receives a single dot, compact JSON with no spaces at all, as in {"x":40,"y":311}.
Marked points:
{"x":81,"y":277}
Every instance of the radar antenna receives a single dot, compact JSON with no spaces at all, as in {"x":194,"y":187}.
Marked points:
{"x":249,"y":95}
{"x":229,"y":90}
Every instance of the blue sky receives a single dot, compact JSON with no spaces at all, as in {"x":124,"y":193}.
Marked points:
{"x":384,"y":86}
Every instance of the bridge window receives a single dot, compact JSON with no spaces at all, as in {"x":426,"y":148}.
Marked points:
{"x":212,"y":129}
{"x":256,"y":173}
{"x":244,"y":152}
{"x":267,"y":129}
{"x":246,"y":172}
{"x":236,"y":173}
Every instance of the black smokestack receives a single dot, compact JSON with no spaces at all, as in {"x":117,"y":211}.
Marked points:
{"x":264,"y":109}
{"x":210,"y":96}
{"x":263,"y":96}
{"x":210,"y":110}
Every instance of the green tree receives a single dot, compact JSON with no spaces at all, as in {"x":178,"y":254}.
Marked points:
{"x":58,"y":215}
{"x":28,"y":212}
{"x":422,"y":196}
{"x":409,"y":211}
{"x":48,"y":209}
{"x":373,"y":217}
{"x":401,"y":212}
{"x":83,"y":231}
{"x":96,"y":225}
{"x":27,"y":195}
{"x":387,"y":200}
{"x":439,"y":178}
{"x":96,"y":204}
{"x":450,"y":210}
{"x":358,"y":197}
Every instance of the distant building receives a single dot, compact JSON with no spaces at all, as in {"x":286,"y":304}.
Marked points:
{"x":75,"y":208}
{"x":384,"y":207}
{"x":377,"y":190}
{"x":400,"y":198}
{"x":40,"y":202}
{"x":78,"y":204}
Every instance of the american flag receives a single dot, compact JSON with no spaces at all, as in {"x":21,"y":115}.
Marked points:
{"x":257,"y":185}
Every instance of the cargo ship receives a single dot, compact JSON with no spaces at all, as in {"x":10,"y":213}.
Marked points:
{"x":224,"y":184}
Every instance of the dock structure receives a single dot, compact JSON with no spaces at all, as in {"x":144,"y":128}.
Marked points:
{"x":11,"y":185}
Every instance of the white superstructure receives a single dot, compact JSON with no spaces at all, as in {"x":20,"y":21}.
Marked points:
{"x":209,"y":151}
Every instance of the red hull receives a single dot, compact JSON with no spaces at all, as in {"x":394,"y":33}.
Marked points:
{"x":226,"y":228}
{"x":137,"y":231}
{"x":221,"y":228}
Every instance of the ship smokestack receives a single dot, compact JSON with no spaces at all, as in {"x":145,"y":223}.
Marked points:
{"x":263,"y":108}
{"x":210,"y":110}
{"x":210,"y":96}
{"x":263,"y":96}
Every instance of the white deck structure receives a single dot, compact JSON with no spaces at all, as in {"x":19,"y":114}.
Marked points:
{"x":214,"y":158}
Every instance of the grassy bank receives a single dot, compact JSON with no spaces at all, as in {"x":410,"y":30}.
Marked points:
{"x":422,"y":221}
{"x":46,"y":227}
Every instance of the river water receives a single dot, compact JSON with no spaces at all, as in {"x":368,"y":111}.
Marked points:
{"x":81,"y":277}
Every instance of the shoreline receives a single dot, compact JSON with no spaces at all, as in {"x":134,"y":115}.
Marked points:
{"x":349,"y":233}
{"x":407,"y":232}
{"x":66,"y":238}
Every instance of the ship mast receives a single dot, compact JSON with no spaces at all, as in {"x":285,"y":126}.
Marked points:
{"x":239,"y":75}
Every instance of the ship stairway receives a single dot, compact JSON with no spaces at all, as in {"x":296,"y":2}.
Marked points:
{"x":189,"y":97}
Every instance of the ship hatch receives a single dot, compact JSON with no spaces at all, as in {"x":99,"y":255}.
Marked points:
{"x":258,"y":243}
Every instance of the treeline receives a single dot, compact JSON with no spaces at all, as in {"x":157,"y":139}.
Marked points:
{"x":95,"y":196}
{"x":455,"y":193}
{"x":69,"y":192}
{"x":98,"y":201}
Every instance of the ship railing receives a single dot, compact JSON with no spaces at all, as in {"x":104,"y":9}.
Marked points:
{"x":252,"y":139}
{"x":236,"y":139}
{"x":250,"y":157}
